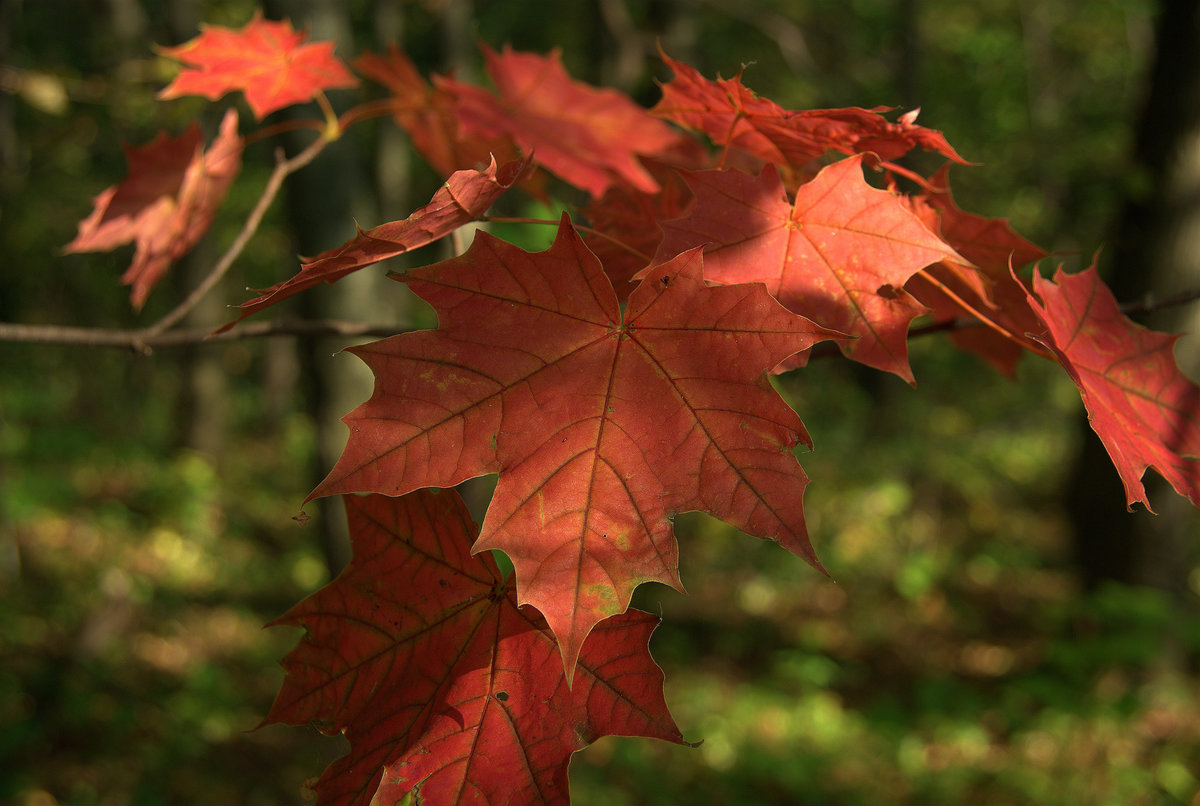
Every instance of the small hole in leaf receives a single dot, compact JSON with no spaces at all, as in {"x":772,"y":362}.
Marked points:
{"x":502,"y":696}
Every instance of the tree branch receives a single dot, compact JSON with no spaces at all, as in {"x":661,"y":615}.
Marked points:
{"x":1149,"y":304}
{"x":143,"y":341}
{"x":283,"y":169}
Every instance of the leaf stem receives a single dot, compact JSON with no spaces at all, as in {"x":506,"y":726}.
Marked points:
{"x":333,"y":129}
{"x":912,"y":176}
{"x":984,"y":318}
{"x":280,"y":128}
{"x":373,"y":109}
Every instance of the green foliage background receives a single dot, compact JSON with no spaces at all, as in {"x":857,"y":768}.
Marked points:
{"x":953,"y":660}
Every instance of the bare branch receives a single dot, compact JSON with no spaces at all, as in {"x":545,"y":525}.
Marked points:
{"x":1149,"y":304}
{"x":283,"y":168}
{"x":144,"y":341}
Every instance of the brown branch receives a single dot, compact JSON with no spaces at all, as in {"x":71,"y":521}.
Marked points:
{"x":1149,"y":304}
{"x":983,"y":318}
{"x":283,"y":169}
{"x":143,"y":341}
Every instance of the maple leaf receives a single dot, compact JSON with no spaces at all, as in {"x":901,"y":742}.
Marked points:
{"x":165,"y":204}
{"x":266,"y":60}
{"x":444,"y":687}
{"x":840,"y":255}
{"x":1145,"y":411}
{"x":625,"y":225}
{"x":987,"y":285}
{"x":600,"y":427}
{"x":589,"y":137}
{"x":464,"y":197}
{"x":428,"y":115}
{"x":730,"y":114}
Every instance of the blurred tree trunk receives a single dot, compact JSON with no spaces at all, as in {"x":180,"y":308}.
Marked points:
{"x":323,"y":202}
{"x":1156,"y":252}
{"x":201,"y":408}
{"x":908,"y":61}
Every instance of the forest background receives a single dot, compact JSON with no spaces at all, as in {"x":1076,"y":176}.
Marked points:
{"x":1000,"y":630}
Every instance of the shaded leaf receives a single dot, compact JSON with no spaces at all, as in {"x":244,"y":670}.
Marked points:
{"x":601,"y":427}
{"x":588,"y":137}
{"x":419,"y":653}
{"x":1145,"y":411}
{"x":626,"y":223}
{"x":266,"y":60}
{"x":165,"y":204}
{"x":427,"y":114}
{"x":987,"y":285}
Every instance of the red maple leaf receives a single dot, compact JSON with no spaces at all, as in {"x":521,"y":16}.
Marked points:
{"x":464,"y":197}
{"x":840,"y":255}
{"x":427,"y":114}
{"x":419,"y":654}
{"x":266,"y":60}
{"x":165,"y":204}
{"x":987,"y":286}
{"x":601,"y":426}
{"x":732,"y":115}
{"x":1145,"y":411}
{"x":625,"y":230}
{"x":589,"y":137}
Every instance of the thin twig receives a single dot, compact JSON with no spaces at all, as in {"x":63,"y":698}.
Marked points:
{"x":1149,"y":304}
{"x":142,"y":341}
{"x":983,"y":318}
{"x":283,"y":168}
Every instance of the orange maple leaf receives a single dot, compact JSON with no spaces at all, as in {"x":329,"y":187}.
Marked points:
{"x":166,"y":203}
{"x":839,"y":255}
{"x":266,"y":60}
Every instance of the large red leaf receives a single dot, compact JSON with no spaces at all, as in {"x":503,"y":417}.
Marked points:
{"x":1146,"y":412}
{"x":464,"y":197}
{"x":587,"y":136}
{"x":165,"y":204}
{"x":840,"y":255}
{"x":732,"y":115}
{"x":419,"y":654}
{"x":601,"y":427}
{"x":266,"y":60}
